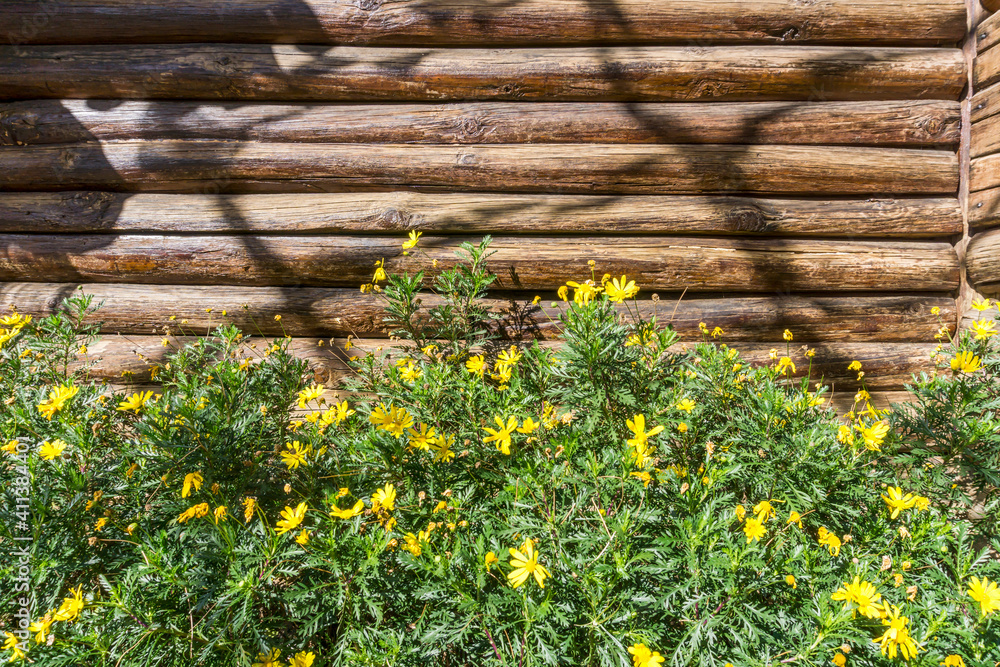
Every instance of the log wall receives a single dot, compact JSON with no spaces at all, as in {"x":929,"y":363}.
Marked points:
{"x":772,"y":165}
{"x":984,"y":178}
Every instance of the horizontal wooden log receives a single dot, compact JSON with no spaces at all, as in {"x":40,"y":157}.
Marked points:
{"x":984,"y":172}
{"x":990,"y":5}
{"x":134,"y":357}
{"x":473,"y":22}
{"x":982,"y":260}
{"x":844,"y":401}
{"x":475,"y":213}
{"x":288,"y":73}
{"x":887,"y":366}
{"x":304,"y":311}
{"x":986,"y":69}
{"x":985,"y":137}
{"x":988,"y":32}
{"x":985,"y":103}
{"x":984,"y":210}
{"x":887,"y":123}
{"x":193,"y":166}
{"x":658,"y":263}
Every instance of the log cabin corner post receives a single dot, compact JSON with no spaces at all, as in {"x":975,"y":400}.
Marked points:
{"x":983,"y":204}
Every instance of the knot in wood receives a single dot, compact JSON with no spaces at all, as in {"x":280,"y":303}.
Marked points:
{"x":471,"y":128}
{"x":706,"y":89}
{"x":17,"y":127}
{"x":93,"y":204}
{"x":70,"y":157}
{"x":932,"y":126}
{"x":225,"y":65}
{"x":746,"y":218}
{"x":368,"y":5}
{"x":393,"y":218}
{"x":369,"y":324}
{"x":787,"y":33}
{"x":510,"y":89}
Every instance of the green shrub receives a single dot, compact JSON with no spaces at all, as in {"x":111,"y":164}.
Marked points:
{"x":952,"y":430}
{"x":613,"y":499}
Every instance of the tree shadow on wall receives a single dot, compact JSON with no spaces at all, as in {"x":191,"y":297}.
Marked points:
{"x":171,"y":121}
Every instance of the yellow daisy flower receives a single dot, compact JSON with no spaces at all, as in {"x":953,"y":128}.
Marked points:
{"x":525,"y":564}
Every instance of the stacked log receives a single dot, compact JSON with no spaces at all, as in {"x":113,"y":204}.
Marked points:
{"x":907,"y":123}
{"x":247,"y":72}
{"x":984,"y":179}
{"x":889,"y":366}
{"x":340,"y":312}
{"x":787,"y":165}
{"x":399,"y":212}
{"x":190,"y":166}
{"x":532,"y":263}
{"x":475,"y":23}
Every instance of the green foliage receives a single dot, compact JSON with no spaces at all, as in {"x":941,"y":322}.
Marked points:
{"x":242,"y":509}
{"x":950,"y":433}
{"x":460,"y":321}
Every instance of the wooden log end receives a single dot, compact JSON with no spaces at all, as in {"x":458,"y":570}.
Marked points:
{"x":983,"y":262}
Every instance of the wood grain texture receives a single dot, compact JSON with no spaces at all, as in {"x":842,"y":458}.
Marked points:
{"x":304,"y":311}
{"x":199,"y":166}
{"x":991,"y":5}
{"x":984,"y":210}
{"x":986,"y":69}
{"x":982,"y":261}
{"x":887,"y":366}
{"x":346,"y":73}
{"x":985,"y":103}
{"x":984,"y":172}
{"x":659,"y":263}
{"x":474,"y":22}
{"x":883,"y":123}
{"x":988,"y":32}
{"x":985,"y":137}
{"x":474,"y":213}
{"x":844,"y":401}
